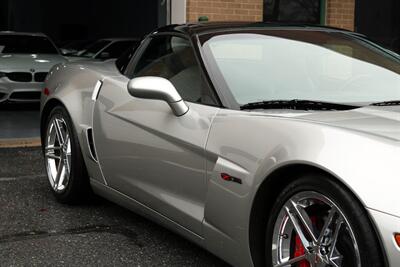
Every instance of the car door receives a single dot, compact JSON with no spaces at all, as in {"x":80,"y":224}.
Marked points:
{"x":145,"y":151}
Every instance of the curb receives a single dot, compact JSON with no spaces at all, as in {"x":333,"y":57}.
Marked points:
{"x":20,"y":142}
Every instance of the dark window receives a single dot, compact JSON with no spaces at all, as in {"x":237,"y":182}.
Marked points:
{"x":387,"y":32}
{"x":73,"y":47}
{"x":297,"y":11}
{"x":173,"y":58}
{"x":20,"y":44}
{"x":92,"y":50}
{"x":123,"y":61}
{"x":116,"y":49}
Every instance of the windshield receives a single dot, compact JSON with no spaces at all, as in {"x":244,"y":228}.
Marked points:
{"x":325,"y":66}
{"x":20,"y":44}
{"x":92,"y":50}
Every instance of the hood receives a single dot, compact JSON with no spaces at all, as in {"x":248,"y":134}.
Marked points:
{"x":26,"y":62}
{"x":107,"y":67}
{"x":379,"y":121}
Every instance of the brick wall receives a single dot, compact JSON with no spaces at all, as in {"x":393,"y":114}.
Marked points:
{"x":225,"y":10}
{"x":340,"y":13}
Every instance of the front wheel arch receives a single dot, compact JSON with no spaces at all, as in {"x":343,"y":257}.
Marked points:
{"x":49,"y":106}
{"x":266,"y":194}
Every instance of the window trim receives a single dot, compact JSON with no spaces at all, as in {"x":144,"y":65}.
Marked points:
{"x":134,"y":50}
{"x":204,"y":75}
{"x":108,"y":46}
{"x":136,"y":56}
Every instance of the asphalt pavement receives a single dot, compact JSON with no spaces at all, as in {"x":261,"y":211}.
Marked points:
{"x":19,"y":120}
{"x":35,"y":230}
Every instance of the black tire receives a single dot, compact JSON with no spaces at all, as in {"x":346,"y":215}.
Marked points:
{"x":370,"y":251}
{"x":78,"y":187}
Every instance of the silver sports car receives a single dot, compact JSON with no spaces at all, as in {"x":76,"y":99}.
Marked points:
{"x":25,"y":59}
{"x":268,"y":145}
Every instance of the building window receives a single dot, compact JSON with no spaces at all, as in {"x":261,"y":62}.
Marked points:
{"x":296,"y":11}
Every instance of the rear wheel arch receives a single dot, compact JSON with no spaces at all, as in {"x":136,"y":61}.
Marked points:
{"x":263,"y":201}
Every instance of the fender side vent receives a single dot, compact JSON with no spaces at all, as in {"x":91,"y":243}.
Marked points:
{"x":96,"y":90}
{"x":91,"y":144}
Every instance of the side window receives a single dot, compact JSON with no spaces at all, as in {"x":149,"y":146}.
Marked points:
{"x":173,"y":58}
{"x":123,"y":61}
{"x":116,"y":49}
{"x":93,"y":49}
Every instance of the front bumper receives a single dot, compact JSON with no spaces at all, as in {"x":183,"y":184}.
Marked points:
{"x":20,"y":91}
{"x":387,"y":225}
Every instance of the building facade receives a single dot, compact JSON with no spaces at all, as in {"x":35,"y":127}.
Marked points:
{"x":336,"y":13}
{"x":379,"y":20}
{"x":225,"y":10}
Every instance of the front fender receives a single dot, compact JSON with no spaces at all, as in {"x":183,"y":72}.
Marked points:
{"x":251,"y":147}
{"x":72,"y":87}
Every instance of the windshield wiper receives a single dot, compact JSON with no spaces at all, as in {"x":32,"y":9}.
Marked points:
{"x":387,"y":103}
{"x":297,"y":104}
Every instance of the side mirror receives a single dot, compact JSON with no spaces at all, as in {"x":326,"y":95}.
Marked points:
{"x":158,"y":88}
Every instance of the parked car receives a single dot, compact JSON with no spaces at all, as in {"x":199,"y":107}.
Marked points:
{"x":268,"y":145}
{"x":71,"y":48}
{"x":104,"y":49}
{"x":25,"y":59}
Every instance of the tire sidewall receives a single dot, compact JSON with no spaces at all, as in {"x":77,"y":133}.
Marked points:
{"x":354,"y":212}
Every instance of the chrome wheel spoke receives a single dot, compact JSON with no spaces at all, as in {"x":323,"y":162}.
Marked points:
{"x":59,"y":172}
{"x":304,"y":219}
{"x":327,"y":224}
{"x":67,"y":136}
{"x":52,"y":148}
{"x":339,"y":223}
{"x":332,"y":261}
{"x":52,"y":156}
{"x":298,"y":229}
{"x":67,"y":165}
{"x":291,"y":261}
{"x":59,"y":133}
{"x":50,"y":152}
{"x":62,"y":176}
{"x":67,"y":152}
{"x":68,"y":162}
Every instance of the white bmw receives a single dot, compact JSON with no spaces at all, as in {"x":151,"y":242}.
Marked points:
{"x":25,"y":60}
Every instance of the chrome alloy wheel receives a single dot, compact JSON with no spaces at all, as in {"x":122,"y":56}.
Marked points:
{"x":311,"y":230}
{"x":58,"y":154}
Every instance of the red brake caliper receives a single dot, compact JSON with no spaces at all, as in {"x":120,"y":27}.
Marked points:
{"x":299,"y":248}
{"x":299,"y":251}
